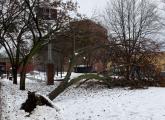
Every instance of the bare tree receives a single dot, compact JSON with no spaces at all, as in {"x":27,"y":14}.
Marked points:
{"x":21,"y":23}
{"x":131,"y":23}
{"x":11,"y":31}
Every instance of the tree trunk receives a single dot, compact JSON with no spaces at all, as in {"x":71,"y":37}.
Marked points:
{"x":50,"y":74}
{"x":63,"y":85}
{"x":23,"y":76}
{"x":15,"y":67}
{"x":127,"y":72}
{"x":22,"y":80}
{"x":14,"y":73}
{"x":58,"y":90}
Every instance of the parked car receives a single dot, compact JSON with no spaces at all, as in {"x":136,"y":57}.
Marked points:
{"x":82,"y":69}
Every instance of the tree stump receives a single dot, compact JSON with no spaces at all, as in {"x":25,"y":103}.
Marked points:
{"x":33,"y":100}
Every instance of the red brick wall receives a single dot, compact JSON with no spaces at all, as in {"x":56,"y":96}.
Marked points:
{"x":7,"y":66}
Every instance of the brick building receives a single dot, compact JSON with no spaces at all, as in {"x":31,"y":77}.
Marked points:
{"x":83,"y":33}
{"x":5,"y":66}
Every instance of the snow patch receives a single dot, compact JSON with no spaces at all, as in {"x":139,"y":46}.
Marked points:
{"x":54,"y":106}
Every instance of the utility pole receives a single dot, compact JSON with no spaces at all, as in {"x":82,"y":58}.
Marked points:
{"x":48,"y":13}
{"x":50,"y":65}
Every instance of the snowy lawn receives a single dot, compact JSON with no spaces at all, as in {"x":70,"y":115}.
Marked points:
{"x":86,"y":103}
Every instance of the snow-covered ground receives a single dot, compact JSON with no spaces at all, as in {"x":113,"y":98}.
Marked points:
{"x":86,"y":103}
{"x":12,"y":98}
{"x":41,"y":76}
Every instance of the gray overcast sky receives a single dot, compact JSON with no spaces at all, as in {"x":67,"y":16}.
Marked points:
{"x":89,"y":6}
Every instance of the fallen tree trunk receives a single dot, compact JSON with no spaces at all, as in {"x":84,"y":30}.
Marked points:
{"x":65,"y":84}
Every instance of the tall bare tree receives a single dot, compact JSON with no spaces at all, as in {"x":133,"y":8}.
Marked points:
{"x":21,"y":23}
{"x":131,"y":23}
{"x":11,"y":31}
